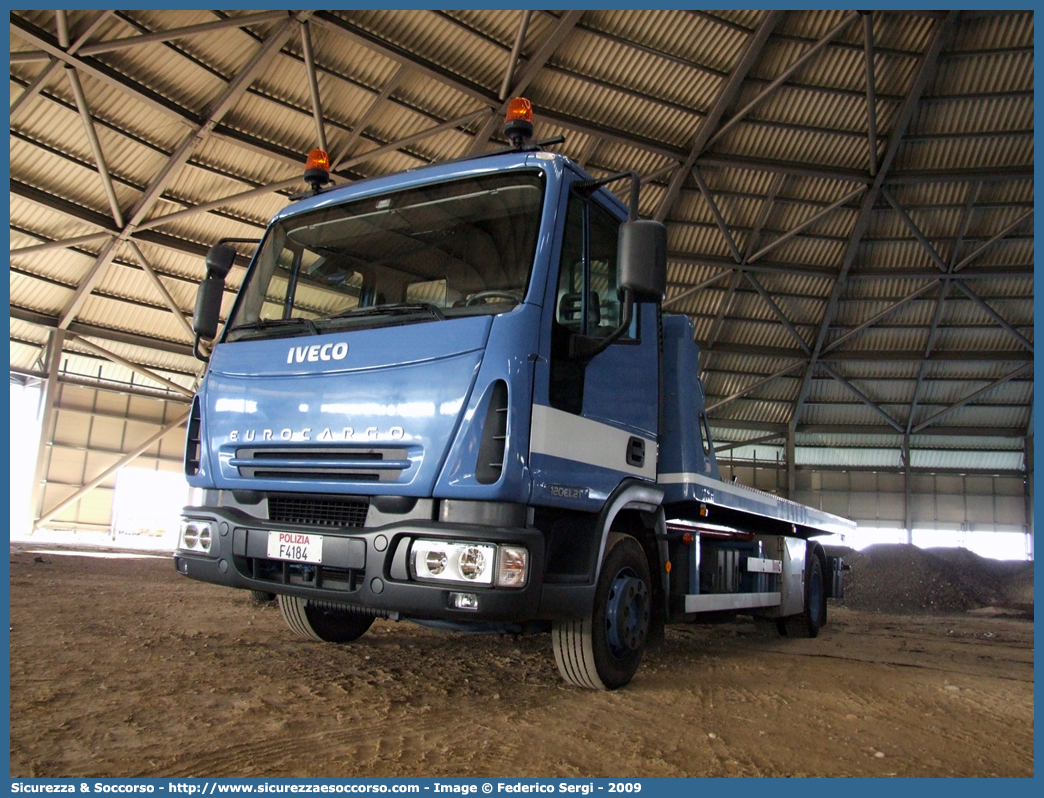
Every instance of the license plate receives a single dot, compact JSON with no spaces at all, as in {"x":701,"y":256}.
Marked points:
{"x":295,"y":547}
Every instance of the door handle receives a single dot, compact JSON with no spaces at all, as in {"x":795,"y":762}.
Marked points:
{"x":636,"y":452}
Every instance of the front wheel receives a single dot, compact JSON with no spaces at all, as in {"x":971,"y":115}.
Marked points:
{"x":319,"y":623}
{"x":603,"y":650}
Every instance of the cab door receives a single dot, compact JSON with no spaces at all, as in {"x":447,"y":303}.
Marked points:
{"x":594,"y":419}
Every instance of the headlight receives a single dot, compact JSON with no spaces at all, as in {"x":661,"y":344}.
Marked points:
{"x":451,"y":561}
{"x":466,"y":562}
{"x":196,"y":535}
{"x":472,"y":563}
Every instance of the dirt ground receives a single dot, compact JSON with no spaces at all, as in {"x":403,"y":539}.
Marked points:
{"x":120,"y":667}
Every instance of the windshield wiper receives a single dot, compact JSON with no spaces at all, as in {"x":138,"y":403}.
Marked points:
{"x":272,"y":324}
{"x":399,"y":309}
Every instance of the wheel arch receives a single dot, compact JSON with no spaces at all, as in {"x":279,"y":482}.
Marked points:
{"x":636,"y":509}
{"x":637,"y":506}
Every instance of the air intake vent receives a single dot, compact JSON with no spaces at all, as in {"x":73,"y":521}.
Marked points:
{"x":193,"y":443}
{"x":494,"y":436}
{"x":315,"y":511}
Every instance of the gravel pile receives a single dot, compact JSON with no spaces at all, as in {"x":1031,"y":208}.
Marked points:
{"x":899,"y":578}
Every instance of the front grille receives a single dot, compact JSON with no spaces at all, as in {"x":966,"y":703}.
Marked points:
{"x":327,"y":463}
{"x":315,"y":511}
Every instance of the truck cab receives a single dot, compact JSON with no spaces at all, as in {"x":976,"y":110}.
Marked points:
{"x":450,"y":396}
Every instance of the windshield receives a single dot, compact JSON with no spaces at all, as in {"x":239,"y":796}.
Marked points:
{"x":450,"y":249}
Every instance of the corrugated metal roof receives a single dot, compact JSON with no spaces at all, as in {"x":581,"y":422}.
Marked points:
{"x":628,"y":89}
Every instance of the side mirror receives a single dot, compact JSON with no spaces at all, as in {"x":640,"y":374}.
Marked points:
{"x":208,"y":307}
{"x":220,"y":258}
{"x":642,"y":260}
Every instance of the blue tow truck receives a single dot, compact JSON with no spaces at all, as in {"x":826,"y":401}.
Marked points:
{"x":450,"y":396}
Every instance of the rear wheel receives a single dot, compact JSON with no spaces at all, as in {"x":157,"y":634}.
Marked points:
{"x":313,"y":622}
{"x":262,"y":596}
{"x":813,"y":618}
{"x":603,"y":650}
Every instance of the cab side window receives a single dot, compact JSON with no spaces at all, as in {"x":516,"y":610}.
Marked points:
{"x":604,"y":232}
{"x":588,"y":298}
{"x":569,"y":311}
{"x":589,"y":250}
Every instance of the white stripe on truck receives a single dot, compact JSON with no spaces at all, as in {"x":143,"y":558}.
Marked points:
{"x":581,"y":440}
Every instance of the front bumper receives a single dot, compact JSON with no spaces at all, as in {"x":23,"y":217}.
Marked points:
{"x":364,"y":568}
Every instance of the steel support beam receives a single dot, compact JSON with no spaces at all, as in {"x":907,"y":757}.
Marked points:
{"x":786,"y":73}
{"x":451,"y":124}
{"x":182,"y":33}
{"x":753,"y":442}
{"x":690,"y":291}
{"x":719,"y":220}
{"x":48,"y":401}
{"x":723,"y":309}
{"x":726,"y":96}
{"x":791,"y":168}
{"x":752,"y":241}
{"x":562,"y":29}
{"x":987,"y":174}
{"x":283,"y":185}
{"x":862,"y":397}
{"x":51,"y":69}
{"x":62,"y":244}
{"x":589,"y":128}
{"x":219,"y":108}
{"x":791,"y":464}
{"x":805,"y":224}
{"x":907,"y":490}
{"x":1028,"y":457}
{"x":934,"y":418}
{"x":516,"y":50}
{"x":926,"y":245}
{"x":778,"y":311}
{"x":985,"y":273}
{"x":360,"y":127}
{"x":119,"y":336}
{"x":29,"y":56}
{"x":751,"y":388}
{"x":132,"y":455}
{"x":924,"y":289}
{"x":313,"y":85}
{"x":129,"y":364}
{"x":871,"y":90}
{"x":100,"y":72}
{"x":993,"y":240}
{"x":161,"y":289}
{"x":159,"y":221}
{"x":941,"y":34}
{"x":989,"y":311}
{"x":95,"y":144}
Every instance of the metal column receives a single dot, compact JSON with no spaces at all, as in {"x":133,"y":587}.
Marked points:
{"x":1029,"y":493}
{"x":907,"y":490}
{"x":48,"y":401}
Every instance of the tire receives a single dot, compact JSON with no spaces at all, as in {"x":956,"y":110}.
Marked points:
{"x":262,"y":596}
{"x":813,"y":618}
{"x":603,"y":650}
{"x":326,"y":626}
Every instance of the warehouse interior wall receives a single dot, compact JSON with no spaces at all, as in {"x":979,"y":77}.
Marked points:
{"x":91,"y":429}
